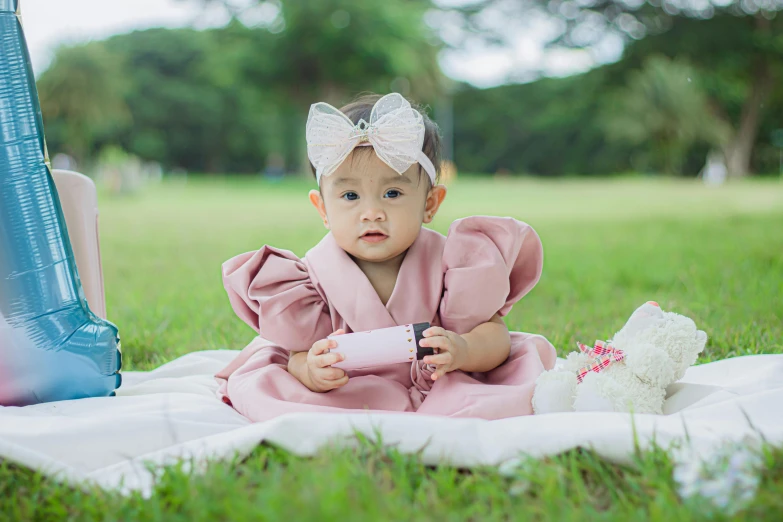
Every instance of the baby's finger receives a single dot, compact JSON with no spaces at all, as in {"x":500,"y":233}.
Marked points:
{"x":433,"y":331}
{"x":322,"y":346}
{"x":338,"y":332}
{"x":339,"y":382}
{"x":331,"y":374}
{"x":328,"y":359}
{"x":439,"y":372}
{"x":436,"y":342}
{"x":441,"y":358}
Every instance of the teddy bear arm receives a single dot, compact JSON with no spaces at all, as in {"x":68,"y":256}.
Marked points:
{"x":554,"y":392}
{"x":575,"y":361}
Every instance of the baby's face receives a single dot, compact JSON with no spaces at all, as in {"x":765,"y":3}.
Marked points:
{"x":374,"y":213}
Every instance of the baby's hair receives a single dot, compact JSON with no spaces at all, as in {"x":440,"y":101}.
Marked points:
{"x":361,"y":108}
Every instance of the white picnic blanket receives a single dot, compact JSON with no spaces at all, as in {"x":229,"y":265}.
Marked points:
{"x":172,"y":412}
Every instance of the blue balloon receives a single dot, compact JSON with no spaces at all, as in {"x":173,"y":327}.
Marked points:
{"x":52,"y":347}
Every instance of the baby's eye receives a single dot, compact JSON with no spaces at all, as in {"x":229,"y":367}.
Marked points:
{"x":393,"y":193}
{"x":350,"y":196}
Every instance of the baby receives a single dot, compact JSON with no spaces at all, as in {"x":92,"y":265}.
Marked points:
{"x":376,"y":163}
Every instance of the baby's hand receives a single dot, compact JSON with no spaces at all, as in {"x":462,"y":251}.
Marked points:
{"x":320,"y":374}
{"x":450,"y":350}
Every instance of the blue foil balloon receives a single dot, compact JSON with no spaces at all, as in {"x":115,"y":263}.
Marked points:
{"x":52,"y":347}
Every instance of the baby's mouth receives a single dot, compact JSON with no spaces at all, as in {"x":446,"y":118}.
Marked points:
{"x":373,"y":236}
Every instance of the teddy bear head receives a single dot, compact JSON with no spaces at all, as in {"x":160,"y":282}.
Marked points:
{"x":674,"y":334}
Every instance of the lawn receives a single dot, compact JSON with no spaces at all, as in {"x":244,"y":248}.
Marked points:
{"x":714,"y":254}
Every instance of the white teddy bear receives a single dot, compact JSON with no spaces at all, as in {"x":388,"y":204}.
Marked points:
{"x":628,"y":373}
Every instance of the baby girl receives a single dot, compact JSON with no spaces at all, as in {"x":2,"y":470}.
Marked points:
{"x":376,"y":163}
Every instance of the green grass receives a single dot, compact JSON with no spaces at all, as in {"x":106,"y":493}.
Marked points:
{"x":715,"y":254}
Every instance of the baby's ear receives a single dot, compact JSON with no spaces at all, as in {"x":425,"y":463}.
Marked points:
{"x":435,"y":197}
{"x":317,"y":201}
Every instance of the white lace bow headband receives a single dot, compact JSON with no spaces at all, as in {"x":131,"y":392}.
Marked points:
{"x":395,"y":131}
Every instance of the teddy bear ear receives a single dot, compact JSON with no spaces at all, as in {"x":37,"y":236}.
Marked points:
{"x":643,"y":317}
{"x":648,"y":309}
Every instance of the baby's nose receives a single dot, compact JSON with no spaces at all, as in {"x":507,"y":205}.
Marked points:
{"x":373,"y":213}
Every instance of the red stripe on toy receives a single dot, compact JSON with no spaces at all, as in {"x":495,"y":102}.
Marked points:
{"x":603,"y":354}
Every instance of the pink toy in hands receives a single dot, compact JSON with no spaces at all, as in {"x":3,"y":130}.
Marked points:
{"x":398,"y":344}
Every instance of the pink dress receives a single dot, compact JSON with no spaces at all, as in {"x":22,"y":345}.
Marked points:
{"x":482,"y":267}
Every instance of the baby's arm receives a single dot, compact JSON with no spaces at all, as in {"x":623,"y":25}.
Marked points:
{"x":482,"y":349}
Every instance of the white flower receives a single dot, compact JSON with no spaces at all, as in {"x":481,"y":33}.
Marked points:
{"x":519,"y":488}
{"x":727,"y":476}
{"x":516,"y":468}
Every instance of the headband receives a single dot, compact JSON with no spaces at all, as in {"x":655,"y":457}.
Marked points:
{"x":395,"y":131}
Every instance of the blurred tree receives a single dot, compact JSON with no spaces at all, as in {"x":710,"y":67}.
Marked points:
{"x":559,"y":126}
{"x":548,"y":127}
{"x":82,"y":97}
{"x":740,"y":63}
{"x":222,"y":100}
{"x":664,"y":110}
{"x":173,"y":96}
{"x":746,"y":37}
{"x":330,"y":50}
{"x":191,"y":108}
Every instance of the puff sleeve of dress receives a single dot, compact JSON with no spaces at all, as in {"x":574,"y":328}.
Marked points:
{"x":489,"y":263}
{"x":272,"y":292}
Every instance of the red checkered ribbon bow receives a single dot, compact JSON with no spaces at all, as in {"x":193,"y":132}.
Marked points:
{"x":603,"y":354}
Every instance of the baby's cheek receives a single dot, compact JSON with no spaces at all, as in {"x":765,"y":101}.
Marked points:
{"x":344,"y":239}
{"x":409,"y":222}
